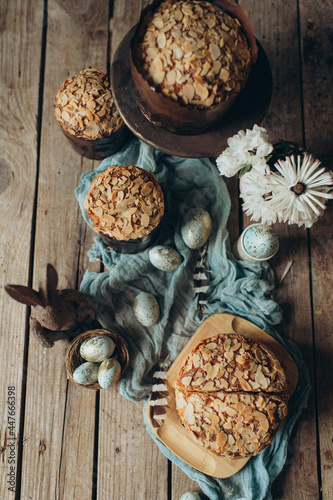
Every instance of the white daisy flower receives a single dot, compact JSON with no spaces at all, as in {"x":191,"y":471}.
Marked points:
{"x":296,"y":193}
{"x":248,"y":148}
{"x":256,"y":191}
{"x":300,"y":189}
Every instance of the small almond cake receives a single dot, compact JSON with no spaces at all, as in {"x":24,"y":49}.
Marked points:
{"x":232,"y":363}
{"x":85,"y":110}
{"x":84,"y":105}
{"x":231,"y":395}
{"x":193,"y":53}
{"x":231,"y":424}
{"x":125,"y":204}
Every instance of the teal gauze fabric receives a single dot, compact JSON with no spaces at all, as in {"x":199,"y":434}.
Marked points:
{"x":236,"y":287}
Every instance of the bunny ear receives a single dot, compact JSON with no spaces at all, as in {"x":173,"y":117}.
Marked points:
{"x":49,"y":286}
{"x":51,"y":279}
{"x":24,"y":295}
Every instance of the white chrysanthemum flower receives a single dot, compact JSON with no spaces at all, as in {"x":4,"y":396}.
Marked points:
{"x":245,"y":148}
{"x":256,"y":191}
{"x":296,"y":193}
{"x":300,"y":189}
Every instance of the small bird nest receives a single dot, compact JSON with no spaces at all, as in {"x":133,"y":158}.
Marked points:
{"x":73,"y":358}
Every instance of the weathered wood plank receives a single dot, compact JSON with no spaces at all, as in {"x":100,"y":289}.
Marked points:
{"x":276,"y":27}
{"x":181,"y":483}
{"x":317,"y":56}
{"x":21,"y":27}
{"x":322,"y":286}
{"x":124,"y":16}
{"x":130,"y":465}
{"x":59,"y":427}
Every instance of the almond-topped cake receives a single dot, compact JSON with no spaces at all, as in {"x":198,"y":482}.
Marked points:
{"x":193,"y":53}
{"x":231,"y":395}
{"x":126,"y":205}
{"x":85,"y":109}
{"x":231,"y":362}
{"x":190,"y":59}
{"x":231,"y":424}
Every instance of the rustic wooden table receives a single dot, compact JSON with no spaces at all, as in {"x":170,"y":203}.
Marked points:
{"x":71,"y":443}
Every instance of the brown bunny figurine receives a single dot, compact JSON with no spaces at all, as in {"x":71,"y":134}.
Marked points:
{"x":52,"y":311}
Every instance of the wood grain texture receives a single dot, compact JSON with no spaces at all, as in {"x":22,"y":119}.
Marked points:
{"x":73,"y":443}
{"x":277,"y":26}
{"x":316,"y":21}
{"x":130,"y":464}
{"x":59,"y":416}
{"x":21,"y":28}
{"x":125,"y":15}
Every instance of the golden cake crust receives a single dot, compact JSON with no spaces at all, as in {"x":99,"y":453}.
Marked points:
{"x":231,"y":395}
{"x":84,"y":106}
{"x":231,"y":362}
{"x":231,"y":424}
{"x":125,"y":202}
{"x":193,"y":52}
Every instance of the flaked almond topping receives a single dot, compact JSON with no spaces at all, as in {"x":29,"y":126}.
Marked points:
{"x":213,"y":371}
{"x":229,"y":433}
{"x":209,"y":386}
{"x":223,"y":373}
{"x":204,"y":44}
{"x":83,"y":101}
{"x":216,"y":360}
{"x":186,"y":380}
{"x":222,"y":438}
{"x":214,"y":418}
{"x":125,"y":202}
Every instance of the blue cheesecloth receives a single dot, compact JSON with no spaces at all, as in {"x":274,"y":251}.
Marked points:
{"x":236,"y":287}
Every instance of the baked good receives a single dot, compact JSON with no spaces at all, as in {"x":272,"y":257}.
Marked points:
{"x":194,"y":55}
{"x":231,"y":424}
{"x":231,"y":395}
{"x":125,"y":204}
{"x":86,"y":112}
{"x":231,"y":362}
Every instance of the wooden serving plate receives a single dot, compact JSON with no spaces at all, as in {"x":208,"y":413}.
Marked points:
{"x":174,"y":435}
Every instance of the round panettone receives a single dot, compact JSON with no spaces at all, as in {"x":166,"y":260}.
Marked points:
{"x":189,"y":59}
{"x":88,"y":117}
{"x":73,"y":358}
{"x":126,"y":205}
{"x":231,"y":395}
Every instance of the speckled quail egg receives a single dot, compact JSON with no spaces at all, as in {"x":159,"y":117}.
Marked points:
{"x":86,"y":374}
{"x":146,"y":309}
{"x":164,"y":258}
{"x":108,"y":373}
{"x":97,"y":348}
{"x":190,"y":495}
{"x":196,"y":227}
